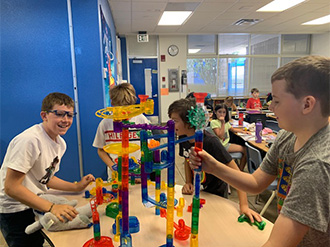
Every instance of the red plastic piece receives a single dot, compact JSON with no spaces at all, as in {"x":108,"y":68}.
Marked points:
{"x":201,"y":201}
{"x":182,"y":231}
{"x":143,"y":98}
{"x":103,"y":242}
{"x":200,"y":97}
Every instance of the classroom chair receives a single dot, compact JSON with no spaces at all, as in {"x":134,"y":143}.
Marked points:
{"x":254,"y":160}
{"x":273,"y":125}
{"x":235,"y":156}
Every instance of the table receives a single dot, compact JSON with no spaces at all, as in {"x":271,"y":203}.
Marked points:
{"x":218,"y":224}
{"x":250,"y":138}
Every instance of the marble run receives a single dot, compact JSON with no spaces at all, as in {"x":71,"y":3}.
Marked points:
{"x":98,"y":199}
{"x":198,"y":117}
{"x":120,"y":116}
{"x":151,"y":160}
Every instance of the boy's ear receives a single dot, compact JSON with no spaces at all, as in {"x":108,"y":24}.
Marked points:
{"x":309,"y":104}
{"x":43,"y":115}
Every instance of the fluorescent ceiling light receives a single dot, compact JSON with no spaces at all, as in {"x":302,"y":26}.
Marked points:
{"x":318,"y":21}
{"x":173,"y":18}
{"x":279,"y":5}
{"x":193,"y":50}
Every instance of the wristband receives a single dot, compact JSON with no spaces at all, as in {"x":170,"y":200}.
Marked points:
{"x":51,"y":207}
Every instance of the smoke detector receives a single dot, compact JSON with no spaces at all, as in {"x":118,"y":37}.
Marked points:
{"x":247,"y":22}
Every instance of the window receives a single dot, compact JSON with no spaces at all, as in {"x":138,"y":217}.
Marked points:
{"x":242,"y":61}
{"x":235,"y":44}
{"x":202,"y":75}
{"x":296,"y":44}
{"x":201,"y":44}
{"x":265,"y":44}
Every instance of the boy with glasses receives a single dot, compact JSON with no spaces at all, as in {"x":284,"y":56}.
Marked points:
{"x":29,"y":168}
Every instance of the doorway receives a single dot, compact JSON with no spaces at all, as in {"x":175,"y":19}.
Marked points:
{"x":143,"y":74}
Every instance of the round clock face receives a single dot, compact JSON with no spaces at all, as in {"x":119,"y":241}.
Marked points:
{"x":173,"y":50}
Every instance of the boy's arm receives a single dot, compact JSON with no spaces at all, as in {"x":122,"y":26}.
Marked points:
{"x":253,"y":183}
{"x":243,"y":201}
{"x":60,"y":184}
{"x":287,"y":232}
{"x":15,"y":189}
{"x":188,"y":188}
{"x":105,"y":158}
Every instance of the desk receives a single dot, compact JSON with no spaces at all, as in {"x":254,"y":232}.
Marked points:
{"x":218,"y":224}
{"x":250,"y":138}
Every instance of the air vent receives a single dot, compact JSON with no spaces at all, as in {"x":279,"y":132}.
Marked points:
{"x":247,"y":22}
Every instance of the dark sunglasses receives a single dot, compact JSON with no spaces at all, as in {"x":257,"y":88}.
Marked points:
{"x":62,"y":114}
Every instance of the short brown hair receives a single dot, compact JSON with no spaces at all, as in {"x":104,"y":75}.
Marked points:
{"x":308,"y":75}
{"x":56,"y":99}
{"x":123,"y":94}
{"x":181,"y":107}
{"x":254,"y":90}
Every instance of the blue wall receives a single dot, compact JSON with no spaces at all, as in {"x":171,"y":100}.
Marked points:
{"x":36,"y":60}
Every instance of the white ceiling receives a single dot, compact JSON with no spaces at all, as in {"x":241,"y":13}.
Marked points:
{"x":218,"y":16}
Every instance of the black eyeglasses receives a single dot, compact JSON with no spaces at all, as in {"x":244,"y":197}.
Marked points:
{"x":62,"y":114}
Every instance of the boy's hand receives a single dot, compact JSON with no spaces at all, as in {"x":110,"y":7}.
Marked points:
{"x":85,"y":181}
{"x":188,"y":189}
{"x":209,"y":163}
{"x":250,"y":213}
{"x":63,"y":210}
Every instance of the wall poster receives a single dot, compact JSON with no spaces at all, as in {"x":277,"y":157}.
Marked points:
{"x":109,"y":72}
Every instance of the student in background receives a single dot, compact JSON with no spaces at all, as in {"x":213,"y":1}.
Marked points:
{"x":120,"y":95}
{"x":221,"y":127}
{"x":178,"y":112}
{"x":28,"y":169}
{"x":229,"y":102}
{"x":254,"y":102}
{"x":209,"y":109}
{"x":299,"y":157}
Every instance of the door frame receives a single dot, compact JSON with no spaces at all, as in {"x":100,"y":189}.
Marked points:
{"x":158,"y":77}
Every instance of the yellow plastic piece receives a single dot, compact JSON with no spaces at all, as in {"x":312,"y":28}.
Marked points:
{"x":149,"y":182}
{"x":120,"y":113}
{"x":179,"y":208}
{"x":116,"y":148}
{"x":194,"y":240}
{"x":170,"y":211}
{"x":163,"y":185}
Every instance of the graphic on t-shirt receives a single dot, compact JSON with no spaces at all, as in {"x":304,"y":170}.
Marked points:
{"x":111,"y":136}
{"x":284,"y":183}
{"x":49,"y":171}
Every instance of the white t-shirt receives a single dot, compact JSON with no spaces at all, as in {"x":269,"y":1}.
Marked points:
{"x":36,"y":155}
{"x":105,"y":135}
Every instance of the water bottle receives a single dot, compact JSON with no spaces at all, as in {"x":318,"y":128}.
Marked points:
{"x":258,"y":131}
{"x":240,"y":118}
{"x":229,"y":112}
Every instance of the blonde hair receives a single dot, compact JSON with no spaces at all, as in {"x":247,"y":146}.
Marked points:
{"x":229,"y":99}
{"x":123,"y":94}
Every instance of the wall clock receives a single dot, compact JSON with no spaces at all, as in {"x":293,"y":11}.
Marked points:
{"x":173,"y":50}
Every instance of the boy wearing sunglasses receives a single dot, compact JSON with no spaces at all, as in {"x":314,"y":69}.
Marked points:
{"x":31,"y":161}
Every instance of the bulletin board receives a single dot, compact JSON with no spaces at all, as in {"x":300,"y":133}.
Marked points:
{"x":109,"y":72}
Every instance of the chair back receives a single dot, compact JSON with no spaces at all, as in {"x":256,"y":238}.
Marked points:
{"x":210,"y":130}
{"x":273,"y":125}
{"x":253,"y":158}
